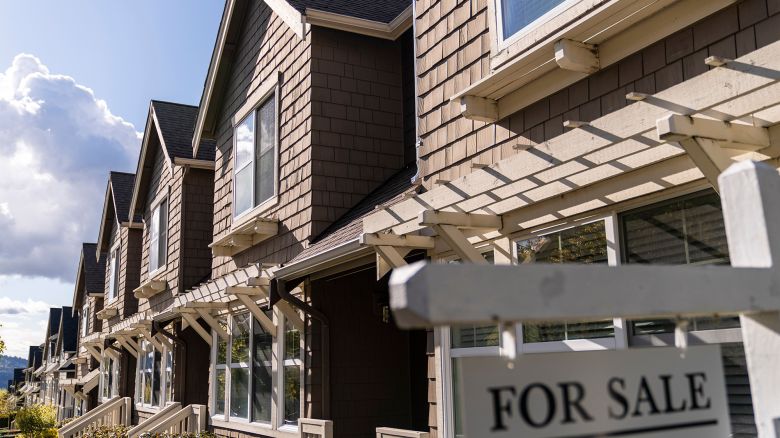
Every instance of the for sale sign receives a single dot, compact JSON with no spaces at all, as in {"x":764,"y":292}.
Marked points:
{"x":653,"y":392}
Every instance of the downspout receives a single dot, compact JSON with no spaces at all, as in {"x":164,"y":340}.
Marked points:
{"x":280,"y":287}
{"x":182,"y":371}
{"x":418,"y":141}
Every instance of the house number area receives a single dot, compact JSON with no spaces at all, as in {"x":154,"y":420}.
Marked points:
{"x":645,"y":393}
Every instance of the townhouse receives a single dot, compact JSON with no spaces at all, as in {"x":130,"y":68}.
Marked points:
{"x":247,"y":260}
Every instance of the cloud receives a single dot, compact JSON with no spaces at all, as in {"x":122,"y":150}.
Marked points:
{"x":9,"y":306}
{"x":58,"y":142}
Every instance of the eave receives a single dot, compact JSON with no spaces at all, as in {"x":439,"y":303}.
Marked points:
{"x":389,"y":31}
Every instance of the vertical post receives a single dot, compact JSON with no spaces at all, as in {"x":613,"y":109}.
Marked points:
{"x":750,"y":194}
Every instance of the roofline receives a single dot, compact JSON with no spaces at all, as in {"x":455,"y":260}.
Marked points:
{"x":151,"y":118}
{"x":300,"y":24}
{"x":78,"y":276}
{"x":103,"y":217}
{"x":389,"y":31}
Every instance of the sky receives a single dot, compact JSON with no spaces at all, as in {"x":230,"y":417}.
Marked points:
{"x":76,"y":78}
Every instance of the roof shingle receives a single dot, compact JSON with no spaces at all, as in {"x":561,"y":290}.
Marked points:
{"x":94,"y":269}
{"x":122,"y":192}
{"x":177,"y":125}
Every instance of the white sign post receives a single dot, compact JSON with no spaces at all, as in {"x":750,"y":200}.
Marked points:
{"x":424,"y":295}
{"x":645,"y":392}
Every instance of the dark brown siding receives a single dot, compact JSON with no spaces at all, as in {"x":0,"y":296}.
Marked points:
{"x":197,"y":227}
{"x":129,"y":272}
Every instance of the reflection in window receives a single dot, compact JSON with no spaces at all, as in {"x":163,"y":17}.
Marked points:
{"x":255,"y":157}
{"x":583,"y":244}
{"x":292,"y":374}
{"x":517,"y":14}
{"x":262,"y":392}
{"x":688,"y":230}
{"x":239,"y":366}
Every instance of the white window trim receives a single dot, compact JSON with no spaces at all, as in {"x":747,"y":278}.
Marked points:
{"x":113,"y":287}
{"x":277,"y":379}
{"x":114,"y":371}
{"x":554,"y":18}
{"x":140,"y":376}
{"x":163,"y":266}
{"x":269,"y":89}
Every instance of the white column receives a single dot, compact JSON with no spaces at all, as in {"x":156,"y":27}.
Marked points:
{"x":750,"y":194}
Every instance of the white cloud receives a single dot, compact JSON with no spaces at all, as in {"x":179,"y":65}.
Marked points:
{"x":9,"y":306}
{"x":58,"y":142}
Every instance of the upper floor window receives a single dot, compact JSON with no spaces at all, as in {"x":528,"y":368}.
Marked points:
{"x":516,"y":15}
{"x":255,"y":161}
{"x":113,"y":273}
{"x":158,"y":236}
{"x":84,"y":320}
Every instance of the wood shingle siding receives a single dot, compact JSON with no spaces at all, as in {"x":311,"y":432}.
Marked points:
{"x":453,"y":50}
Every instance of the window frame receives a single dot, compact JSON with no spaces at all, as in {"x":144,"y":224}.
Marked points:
{"x":162,"y":263}
{"x":277,"y":376}
{"x":114,"y":263}
{"x":140,"y":377}
{"x":551,"y":16}
{"x":85,"y":319}
{"x":113,"y":388}
{"x":267,"y":91}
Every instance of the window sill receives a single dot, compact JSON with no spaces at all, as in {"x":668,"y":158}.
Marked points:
{"x":249,"y":229}
{"x":256,"y":428}
{"x":152,"y":286}
{"x":521,"y":75}
{"x":107,"y":312}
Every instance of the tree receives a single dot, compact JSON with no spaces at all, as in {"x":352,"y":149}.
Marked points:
{"x":2,"y":344}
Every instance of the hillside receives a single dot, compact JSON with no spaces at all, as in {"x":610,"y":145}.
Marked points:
{"x":7,"y":365}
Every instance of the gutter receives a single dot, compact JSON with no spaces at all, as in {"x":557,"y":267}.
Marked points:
{"x":345,"y":252}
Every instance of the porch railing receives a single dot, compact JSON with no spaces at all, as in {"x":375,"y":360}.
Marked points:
{"x":111,"y":413}
{"x":389,"y":432}
{"x":190,"y":419}
{"x":313,"y":428}
{"x":155,"y":420}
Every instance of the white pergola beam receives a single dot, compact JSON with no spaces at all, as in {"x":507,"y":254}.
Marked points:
{"x":251,"y":291}
{"x":707,"y":155}
{"x":391,"y":255}
{"x":458,"y":243}
{"x":94,"y":353}
{"x":291,"y":315}
{"x":479,"y":108}
{"x":193,"y":322}
{"x":677,"y":127}
{"x":460,"y":220}
{"x":577,"y":56}
{"x":147,"y":334}
{"x":127,"y":347}
{"x":402,"y":241}
{"x":212,"y":322}
{"x":261,"y":317}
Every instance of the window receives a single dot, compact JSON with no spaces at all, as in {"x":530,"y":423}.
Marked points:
{"x":582,"y":244}
{"x":158,"y":236}
{"x":257,"y":374}
{"x":109,"y":371}
{"x":151,"y":391}
{"x":113,"y":273}
{"x":515,"y":15}
{"x":254,"y":179}
{"x":84,"y":320}
{"x":687,"y":230}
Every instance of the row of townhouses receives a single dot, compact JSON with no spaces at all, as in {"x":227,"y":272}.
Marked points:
{"x":239,"y":282}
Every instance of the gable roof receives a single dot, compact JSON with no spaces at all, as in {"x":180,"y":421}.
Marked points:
{"x":52,"y":327}
{"x":116,"y":206}
{"x":350,"y":225}
{"x":34,"y":356}
{"x":68,"y":331}
{"x":91,"y":274}
{"x":378,"y":18}
{"x":169,"y":128}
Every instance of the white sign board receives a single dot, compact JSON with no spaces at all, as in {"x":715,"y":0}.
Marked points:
{"x":653,"y":392}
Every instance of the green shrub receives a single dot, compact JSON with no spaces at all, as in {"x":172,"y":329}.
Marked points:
{"x":37,"y":421}
{"x":118,"y":431}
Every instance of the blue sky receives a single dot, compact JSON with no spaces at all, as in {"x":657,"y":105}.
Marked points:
{"x":76,"y":78}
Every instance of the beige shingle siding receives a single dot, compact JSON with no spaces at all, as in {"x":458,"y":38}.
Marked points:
{"x":453,"y":52}
{"x":129,"y":272}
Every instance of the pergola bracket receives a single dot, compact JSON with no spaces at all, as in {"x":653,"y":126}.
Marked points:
{"x":189,"y":316}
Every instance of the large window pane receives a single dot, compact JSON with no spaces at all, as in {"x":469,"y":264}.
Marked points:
{"x":517,"y":14}
{"x":239,"y":352}
{"x":245,"y":142}
{"x":148,"y":374}
{"x":292,"y":374}
{"x":169,"y":376}
{"x":582,"y":244}
{"x":219,"y":402}
{"x":262,"y":391}
{"x":470,"y":336}
{"x":239,"y":392}
{"x":156,"y":378}
{"x":687,"y":230}
{"x":222,"y":344}
{"x":243,"y":187}
{"x":266,"y":153}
